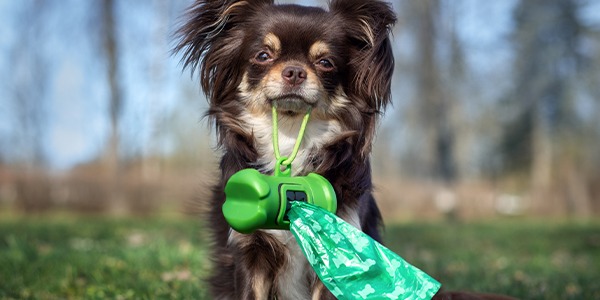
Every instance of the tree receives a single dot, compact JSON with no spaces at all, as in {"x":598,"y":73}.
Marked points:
{"x":110,"y":48}
{"x":438,"y":65}
{"x":545,"y":133}
{"x":30,"y":80}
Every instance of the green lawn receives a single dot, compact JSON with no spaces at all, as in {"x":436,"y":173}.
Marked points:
{"x":58,"y":257}
{"x":101,"y":258}
{"x":524,"y":259}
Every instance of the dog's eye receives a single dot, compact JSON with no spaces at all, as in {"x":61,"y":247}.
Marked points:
{"x":325,"y":65}
{"x":263,"y":57}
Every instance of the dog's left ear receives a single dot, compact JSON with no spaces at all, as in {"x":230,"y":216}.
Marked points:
{"x":368,"y":24}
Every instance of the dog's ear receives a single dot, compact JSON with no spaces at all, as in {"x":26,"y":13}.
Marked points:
{"x":210,"y":40}
{"x":367,"y":24}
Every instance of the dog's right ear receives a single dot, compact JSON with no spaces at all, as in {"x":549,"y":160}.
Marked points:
{"x":210,"y":40}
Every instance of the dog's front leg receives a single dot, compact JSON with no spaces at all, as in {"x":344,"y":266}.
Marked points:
{"x":252,"y":281}
{"x":320,"y":292}
{"x":256,"y":286}
{"x":258,"y":258}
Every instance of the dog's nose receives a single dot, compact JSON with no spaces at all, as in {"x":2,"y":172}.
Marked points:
{"x":294,"y":75}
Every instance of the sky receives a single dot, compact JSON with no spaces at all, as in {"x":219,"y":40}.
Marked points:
{"x":152,"y":80}
{"x":77,"y":125}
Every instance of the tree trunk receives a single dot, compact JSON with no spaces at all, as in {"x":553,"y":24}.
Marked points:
{"x":435,"y":108}
{"x":111,"y":156}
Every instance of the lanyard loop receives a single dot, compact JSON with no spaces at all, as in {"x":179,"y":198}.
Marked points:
{"x":282,"y":160}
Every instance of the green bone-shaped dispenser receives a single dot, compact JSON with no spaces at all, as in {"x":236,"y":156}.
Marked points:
{"x":258,"y":201}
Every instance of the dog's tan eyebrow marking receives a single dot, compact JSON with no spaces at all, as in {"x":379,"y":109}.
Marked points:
{"x":272,"y":42}
{"x":318,"y":49}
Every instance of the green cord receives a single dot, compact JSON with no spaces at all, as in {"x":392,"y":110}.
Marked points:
{"x":292,"y":156}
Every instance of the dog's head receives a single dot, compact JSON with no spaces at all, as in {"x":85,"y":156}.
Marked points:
{"x":252,"y":54}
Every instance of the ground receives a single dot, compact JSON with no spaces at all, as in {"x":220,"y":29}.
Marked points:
{"x":62,"y":256}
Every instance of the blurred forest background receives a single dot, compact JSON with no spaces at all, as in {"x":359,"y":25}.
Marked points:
{"x":496,"y":110}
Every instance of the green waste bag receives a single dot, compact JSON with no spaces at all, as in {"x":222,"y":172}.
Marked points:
{"x":350,"y":263}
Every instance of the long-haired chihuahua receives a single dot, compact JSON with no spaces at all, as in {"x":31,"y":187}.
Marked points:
{"x":337,"y":62}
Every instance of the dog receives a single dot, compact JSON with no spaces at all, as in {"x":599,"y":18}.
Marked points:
{"x":337,"y":62}
{"x":253,"y":54}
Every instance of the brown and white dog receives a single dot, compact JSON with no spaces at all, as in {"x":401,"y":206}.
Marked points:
{"x":253,"y":53}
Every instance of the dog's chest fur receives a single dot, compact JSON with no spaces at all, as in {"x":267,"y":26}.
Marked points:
{"x":318,"y":133}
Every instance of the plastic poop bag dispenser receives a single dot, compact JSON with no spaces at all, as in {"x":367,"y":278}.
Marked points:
{"x":257,"y":201}
{"x":349,"y":263}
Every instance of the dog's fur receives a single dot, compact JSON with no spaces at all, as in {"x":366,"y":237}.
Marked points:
{"x":253,"y":53}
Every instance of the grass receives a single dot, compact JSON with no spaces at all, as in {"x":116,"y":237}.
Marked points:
{"x":76,"y":257}
{"x":101,"y":258}
{"x":524,"y":259}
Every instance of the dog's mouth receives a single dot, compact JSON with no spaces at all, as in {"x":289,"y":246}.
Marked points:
{"x":292,"y":104}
